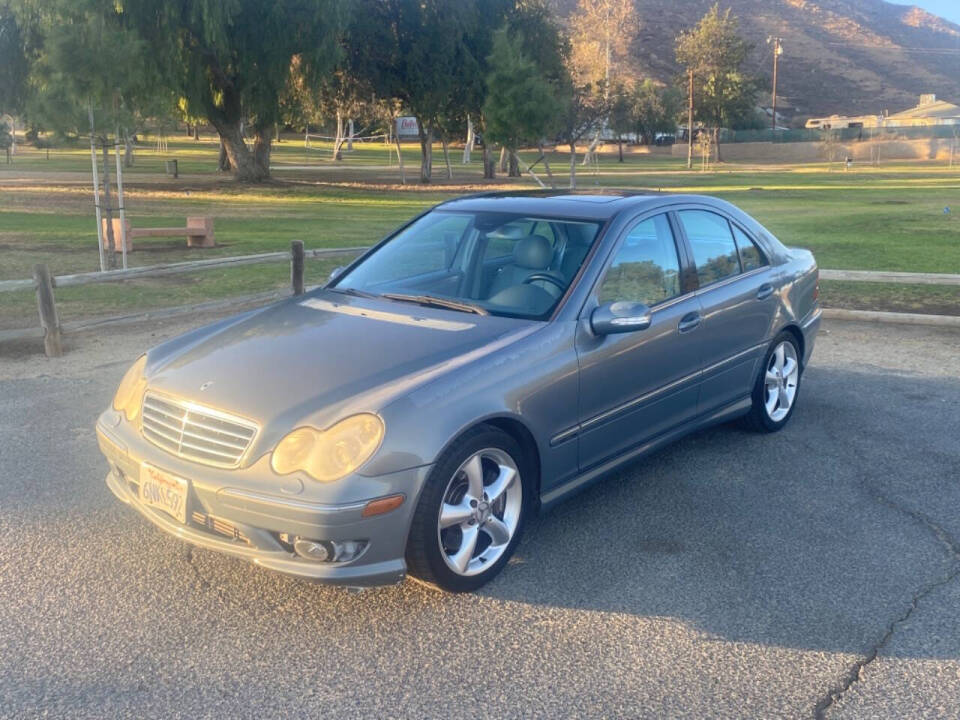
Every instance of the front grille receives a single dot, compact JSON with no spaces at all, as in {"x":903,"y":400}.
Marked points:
{"x":194,"y":432}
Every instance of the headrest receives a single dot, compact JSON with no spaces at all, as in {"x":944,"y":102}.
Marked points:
{"x":533,"y":252}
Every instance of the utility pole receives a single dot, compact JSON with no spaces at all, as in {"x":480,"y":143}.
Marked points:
{"x":690,"y":125}
{"x":777,"y":52}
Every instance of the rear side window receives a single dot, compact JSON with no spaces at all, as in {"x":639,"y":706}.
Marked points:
{"x":750,"y":256}
{"x":714,"y":250}
{"x":646,"y":268}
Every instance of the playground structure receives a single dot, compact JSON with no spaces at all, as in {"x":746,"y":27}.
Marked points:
{"x":198,"y":231}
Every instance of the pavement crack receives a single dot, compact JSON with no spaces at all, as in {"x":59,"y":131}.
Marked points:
{"x":855,"y":673}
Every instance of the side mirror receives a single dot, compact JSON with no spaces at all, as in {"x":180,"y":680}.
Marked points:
{"x":335,"y":273}
{"x":620,"y":317}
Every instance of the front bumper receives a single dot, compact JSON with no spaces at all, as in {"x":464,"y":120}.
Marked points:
{"x":245,"y":522}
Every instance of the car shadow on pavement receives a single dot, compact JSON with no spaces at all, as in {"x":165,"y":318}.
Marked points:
{"x":815,"y":537}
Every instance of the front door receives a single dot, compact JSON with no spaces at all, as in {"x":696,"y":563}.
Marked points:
{"x":637,"y":385}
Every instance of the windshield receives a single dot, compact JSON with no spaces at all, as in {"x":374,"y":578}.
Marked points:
{"x":485,"y":262}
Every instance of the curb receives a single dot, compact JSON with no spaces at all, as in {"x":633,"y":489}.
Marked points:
{"x":892,"y":317}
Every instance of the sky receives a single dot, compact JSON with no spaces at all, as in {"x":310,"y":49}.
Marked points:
{"x":947,"y":9}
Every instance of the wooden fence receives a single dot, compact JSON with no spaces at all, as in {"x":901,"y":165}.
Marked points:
{"x":51,"y":329}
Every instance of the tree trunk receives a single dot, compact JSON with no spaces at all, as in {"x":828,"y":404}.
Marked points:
{"x":243,"y":163}
{"x":716,"y":142}
{"x":503,"y":158}
{"x":127,"y":150}
{"x":196,"y":133}
{"x":513,"y":165}
{"x":403,"y":172}
{"x":189,"y":130}
{"x":489,"y":168}
{"x":620,"y":147}
{"x":468,"y":147}
{"x":108,"y":210}
{"x":350,"y":135}
{"x":223,"y":161}
{"x":546,"y":166}
{"x":262,"y":146}
{"x":446,"y":156}
{"x":426,"y":151}
{"x":338,"y":140}
{"x":573,"y":165}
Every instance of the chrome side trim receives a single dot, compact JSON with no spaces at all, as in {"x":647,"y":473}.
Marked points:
{"x":623,"y":407}
{"x":811,"y":319}
{"x":732,"y":358}
{"x":291,"y":503}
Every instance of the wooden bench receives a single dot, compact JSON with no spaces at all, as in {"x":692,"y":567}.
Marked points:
{"x":199,"y":233}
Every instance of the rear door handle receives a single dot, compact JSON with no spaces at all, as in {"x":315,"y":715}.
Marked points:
{"x":764,"y":291}
{"x":689,"y":322}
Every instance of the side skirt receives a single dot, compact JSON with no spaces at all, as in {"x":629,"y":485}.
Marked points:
{"x":588,"y":478}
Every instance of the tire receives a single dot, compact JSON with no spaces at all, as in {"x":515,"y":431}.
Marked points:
{"x":768,"y":415}
{"x":450,"y":515}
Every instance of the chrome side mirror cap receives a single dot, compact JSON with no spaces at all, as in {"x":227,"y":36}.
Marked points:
{"x":620,"y":317}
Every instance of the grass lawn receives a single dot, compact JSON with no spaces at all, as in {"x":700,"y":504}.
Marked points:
{"x":886,"y":218}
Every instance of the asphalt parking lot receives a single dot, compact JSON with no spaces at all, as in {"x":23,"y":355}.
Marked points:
{"x":809,"y":573}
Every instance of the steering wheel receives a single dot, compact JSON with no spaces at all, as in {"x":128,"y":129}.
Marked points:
{"x":548,"y":277}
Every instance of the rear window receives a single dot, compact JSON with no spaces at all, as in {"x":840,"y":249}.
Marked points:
{"x":714,"y":250}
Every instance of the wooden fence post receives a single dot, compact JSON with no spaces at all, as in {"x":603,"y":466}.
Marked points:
{"x":296,"y":266}
{"x":48,"y":311}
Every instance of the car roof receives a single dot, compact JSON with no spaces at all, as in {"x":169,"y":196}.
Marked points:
{"x":595,"y":204}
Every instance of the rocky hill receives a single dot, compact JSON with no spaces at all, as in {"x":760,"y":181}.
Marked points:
{"x":840,"y":56}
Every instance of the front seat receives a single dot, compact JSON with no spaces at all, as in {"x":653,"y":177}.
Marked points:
{"x":531,"y":254}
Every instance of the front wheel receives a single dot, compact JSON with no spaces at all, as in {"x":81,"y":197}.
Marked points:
{"x":471,"y":512}
{"x":777,"y":386}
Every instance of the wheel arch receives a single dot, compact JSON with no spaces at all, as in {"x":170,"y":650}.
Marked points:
{"x":518,"y":430}
{"x":797,"y":333}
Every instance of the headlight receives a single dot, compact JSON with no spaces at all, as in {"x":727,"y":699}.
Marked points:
{"x":129,"y":396}
{"x":328,"y":455}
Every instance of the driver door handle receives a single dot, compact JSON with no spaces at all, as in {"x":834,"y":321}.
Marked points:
{"x":689,"y":322}
{"x":764,"y":291}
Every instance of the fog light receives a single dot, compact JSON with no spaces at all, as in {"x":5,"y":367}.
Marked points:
{"x":312,"y":550}
{"x":328,"y":550}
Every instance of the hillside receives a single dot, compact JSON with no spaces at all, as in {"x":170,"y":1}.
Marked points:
{"x":840,"y":56}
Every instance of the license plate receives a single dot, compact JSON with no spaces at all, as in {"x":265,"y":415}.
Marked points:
{"x":162,"y":490}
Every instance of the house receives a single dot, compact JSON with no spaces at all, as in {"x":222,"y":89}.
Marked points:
{"x":928,"y":113}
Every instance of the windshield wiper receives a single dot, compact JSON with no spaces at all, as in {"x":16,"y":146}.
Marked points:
{"x":432,"y":301}
{"x":355,"y":292}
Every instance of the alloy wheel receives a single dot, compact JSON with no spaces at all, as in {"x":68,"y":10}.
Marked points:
{"x":780,"y":381}
{"x":480,"y":511}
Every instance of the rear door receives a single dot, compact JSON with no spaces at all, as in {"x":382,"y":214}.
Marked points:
{"x":637,"y":385}
{"x":738,"y":300}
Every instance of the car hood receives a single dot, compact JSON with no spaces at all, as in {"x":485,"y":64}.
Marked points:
{"x":320,"y":357}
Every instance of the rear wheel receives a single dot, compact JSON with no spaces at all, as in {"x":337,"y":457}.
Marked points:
{"x":777,"y":386}
{"x":471,"y":512}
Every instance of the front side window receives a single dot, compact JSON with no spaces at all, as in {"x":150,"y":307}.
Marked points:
{"x":646,"y":268}
{"x":498,"y":263}
{"x":714,"y":250}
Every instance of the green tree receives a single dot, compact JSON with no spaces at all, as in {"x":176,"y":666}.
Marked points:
{"x":13,"y":62}
{"x":521,"y":105}
{"x":725,"y":93}
{"x":416,"y":52}
{"x":231,"y":62}
{"x":654,"y":109}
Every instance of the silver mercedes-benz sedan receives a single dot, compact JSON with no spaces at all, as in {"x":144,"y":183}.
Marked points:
{"x":493,"y":356}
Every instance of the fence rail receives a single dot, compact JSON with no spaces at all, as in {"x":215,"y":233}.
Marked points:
{"x":50,"y":327}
